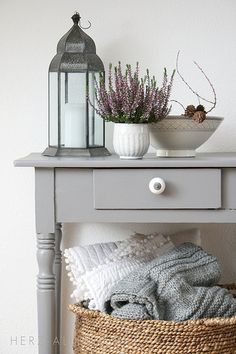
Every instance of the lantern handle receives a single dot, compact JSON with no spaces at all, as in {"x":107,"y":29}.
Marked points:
{"x":76,"y":19}
{"x":85,"y":27}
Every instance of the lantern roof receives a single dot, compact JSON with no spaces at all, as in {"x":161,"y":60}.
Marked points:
{"x":76,"y":51}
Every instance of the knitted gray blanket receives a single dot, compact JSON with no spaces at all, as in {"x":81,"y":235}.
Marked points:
{"x":179,"y":286}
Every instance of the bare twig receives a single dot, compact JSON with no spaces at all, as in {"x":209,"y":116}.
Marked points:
{"x":178,"y":103}
{"x":190,"y":88}
{"x":212,"y":87}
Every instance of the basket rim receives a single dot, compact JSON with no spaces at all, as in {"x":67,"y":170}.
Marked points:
{"x":83,"y":312}
{"x":78,"y":309}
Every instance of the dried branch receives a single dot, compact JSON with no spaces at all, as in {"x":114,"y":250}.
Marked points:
{"x":178,"y":103}
{"x":193,"y":91}
{"x":212,"y":87}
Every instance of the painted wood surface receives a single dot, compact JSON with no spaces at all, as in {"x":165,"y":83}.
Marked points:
{"x":224,"y":159}
{"x":46,"y":293}
{"x":57,"y":269}
{"x":195,"y":188}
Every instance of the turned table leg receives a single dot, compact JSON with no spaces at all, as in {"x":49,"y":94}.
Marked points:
{"x":46,"y":293}
{"x":48,"y":236}
{"x":58,"y":258}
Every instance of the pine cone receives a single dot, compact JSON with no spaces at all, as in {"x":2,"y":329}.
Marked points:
{"x":199,"y":116}
{"x":190,"y":110}
{"x":200,"y":108}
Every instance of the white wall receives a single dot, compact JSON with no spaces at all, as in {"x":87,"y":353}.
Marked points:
{"x":150,"y":32}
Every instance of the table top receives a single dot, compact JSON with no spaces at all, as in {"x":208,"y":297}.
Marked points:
{"x":222,"y":159}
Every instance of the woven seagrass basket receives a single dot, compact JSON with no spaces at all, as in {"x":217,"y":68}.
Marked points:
{"x":99,"y":333}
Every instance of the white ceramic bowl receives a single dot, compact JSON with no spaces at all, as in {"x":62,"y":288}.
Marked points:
{"x":178,"y":136}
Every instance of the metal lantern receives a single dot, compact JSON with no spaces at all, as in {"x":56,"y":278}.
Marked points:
{"x":74,"y":127}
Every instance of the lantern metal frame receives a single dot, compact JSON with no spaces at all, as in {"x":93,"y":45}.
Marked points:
{"x":76,"y":53}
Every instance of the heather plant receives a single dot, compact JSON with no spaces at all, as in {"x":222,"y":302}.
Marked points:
{"x":127,"y":98}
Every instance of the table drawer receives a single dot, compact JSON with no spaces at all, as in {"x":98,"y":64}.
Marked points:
{"x":130,"y":189}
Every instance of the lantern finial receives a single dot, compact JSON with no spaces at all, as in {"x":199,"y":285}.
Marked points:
{"x":76,"y":18}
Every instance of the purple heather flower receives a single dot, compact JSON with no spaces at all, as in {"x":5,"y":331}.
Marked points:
{"x":129,"y":99}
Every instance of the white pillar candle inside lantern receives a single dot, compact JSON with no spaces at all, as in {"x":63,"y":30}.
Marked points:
{"x":75,"y":129}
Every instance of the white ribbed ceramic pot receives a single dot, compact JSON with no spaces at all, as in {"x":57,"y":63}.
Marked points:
{"x":131,"y":141}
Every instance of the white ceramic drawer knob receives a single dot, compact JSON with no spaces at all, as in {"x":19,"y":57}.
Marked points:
{"x":157,"y":185}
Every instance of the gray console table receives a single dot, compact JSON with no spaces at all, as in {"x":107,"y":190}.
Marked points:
{"x":107,"y":189}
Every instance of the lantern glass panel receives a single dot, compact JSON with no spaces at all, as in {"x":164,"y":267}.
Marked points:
{"x":73,"y":122}
{"x":53,"y":109}
{"x":96,"y":123}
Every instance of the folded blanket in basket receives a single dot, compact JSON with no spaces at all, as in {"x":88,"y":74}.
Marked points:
{"x":84,"y":258}
{"x":95,"y":269}
{"x":176,"y":286}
